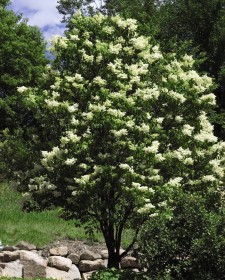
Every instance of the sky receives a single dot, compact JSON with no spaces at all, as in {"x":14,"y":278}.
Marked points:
{"x":42,"y":13}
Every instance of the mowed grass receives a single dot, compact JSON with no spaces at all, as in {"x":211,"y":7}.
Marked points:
{"x":39,"y":228}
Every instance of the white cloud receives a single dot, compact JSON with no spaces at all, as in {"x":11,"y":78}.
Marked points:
{"x":42,"y":13}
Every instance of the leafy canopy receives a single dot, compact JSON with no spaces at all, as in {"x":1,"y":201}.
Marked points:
{"x":130,"y":127}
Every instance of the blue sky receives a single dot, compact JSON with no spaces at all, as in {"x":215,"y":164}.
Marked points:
{"x":42,"y":13}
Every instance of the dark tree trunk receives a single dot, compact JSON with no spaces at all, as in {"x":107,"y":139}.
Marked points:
{"x":113,"y":260}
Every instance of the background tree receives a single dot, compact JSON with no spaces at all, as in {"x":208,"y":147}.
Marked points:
{"x":22,"y":59}
{"x":130,"y":127}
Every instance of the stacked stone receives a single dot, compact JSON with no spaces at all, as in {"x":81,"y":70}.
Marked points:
{"x":25,"y":261}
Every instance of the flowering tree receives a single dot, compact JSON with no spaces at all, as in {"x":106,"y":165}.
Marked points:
{"x":130,"y":128}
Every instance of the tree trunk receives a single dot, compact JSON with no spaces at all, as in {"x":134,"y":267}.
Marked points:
{"x":113,"y":260}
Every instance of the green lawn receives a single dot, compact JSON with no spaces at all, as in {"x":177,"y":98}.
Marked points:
{"x":39,"y":228}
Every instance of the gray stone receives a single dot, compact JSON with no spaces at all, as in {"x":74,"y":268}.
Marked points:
{"x":90,"y":256}
{"x":129,"y":262}
{"x":74,"y":273}
{"x":13,"y":269}
{"x":75,"y":258}
{"x":10,"y":248}
{"x":34,"y":265}
{"x":25,"y":246}
{"x":104,"y":254}
{"x":86,"y":265}
{"x":1,"y":271}
{"x":87,"y":275}
{"x":55,"y":273}
{"x":8,"y":256}
{"x":59,"y":251}
{"x":60,"y":263}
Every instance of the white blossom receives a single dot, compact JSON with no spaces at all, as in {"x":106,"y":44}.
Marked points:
{"x":22,"y":89}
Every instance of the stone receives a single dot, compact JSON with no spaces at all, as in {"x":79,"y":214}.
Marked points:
{"x":1,"y":271}
{"x":59,"y":251}
{"x":104,"y":254}
{"x":10,"y":248}
{"x":8,"y":256}
{"x":86,"y":265}
{"x":60,"y":263}
{"x":87,"y":275}
{"x":13,"y":269}
{"x":90,"y":256}
{"x":75,"y":258}
{"x":25,"y":246}
{"x":74,"y":273}
{"x":55,"y":273}
{"x":129,"y":262}
{"x":34,"y":265}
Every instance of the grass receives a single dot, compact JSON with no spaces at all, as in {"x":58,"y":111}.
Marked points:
{"x":39,"y":228}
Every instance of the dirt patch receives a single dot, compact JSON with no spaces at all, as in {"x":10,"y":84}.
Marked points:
{"x":77,"y":246}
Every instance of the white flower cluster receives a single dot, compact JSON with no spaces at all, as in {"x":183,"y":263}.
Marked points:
{"x":129,"y":23}
{"x":153,"y":148}
{"x":41,"y":184}
{"x":60,"y":41}
{"x":206,"y":133}
{"x":187,"y":129}
{"x":22,"y":89}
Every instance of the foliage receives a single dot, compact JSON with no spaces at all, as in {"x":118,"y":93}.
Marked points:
{"x":144,"y":11}
{"x":197,"y":26}
{"x":22,"y":58}
{"x":116,"y":274}
{"x":190,"y":245}
{"x":202,"y":24}
{"x":130,"y":127}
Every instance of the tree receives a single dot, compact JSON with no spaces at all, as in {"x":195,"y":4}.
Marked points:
{"x":198,"y":23}
{"x":142,"y":10}
{"x":130,"y":127}
{"x":202,"y":24}
{"x":22,"y":59}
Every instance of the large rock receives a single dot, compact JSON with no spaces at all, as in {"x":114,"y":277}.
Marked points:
{"x":10,"y":248}
{"x":90,"y":256}
{"x":75,"y":258}
{"x":25,"y":246}
{"x":86,"y":265}
{"x":104,"y":254}
{"x":60,"y":263}
{"x":34,"y":265}
{"x":74,"y":273}
{"x":59,"y":251}
{"x":12,"y":269}
{"x":8,"y":256}
{"x":1,"y":271}
{"x":55,"y":273}
{"x":129,"y":262}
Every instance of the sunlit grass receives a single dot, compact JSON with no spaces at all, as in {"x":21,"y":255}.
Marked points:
{"x":39,"y":228}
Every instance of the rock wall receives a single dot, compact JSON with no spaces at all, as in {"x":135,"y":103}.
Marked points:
{"x":26,"y":261}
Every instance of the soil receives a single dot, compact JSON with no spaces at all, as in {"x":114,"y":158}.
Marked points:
{"x":77,"y":246}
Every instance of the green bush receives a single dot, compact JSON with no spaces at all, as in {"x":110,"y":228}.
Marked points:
{"x":114,"y":274}
{"x":191,"y":245}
